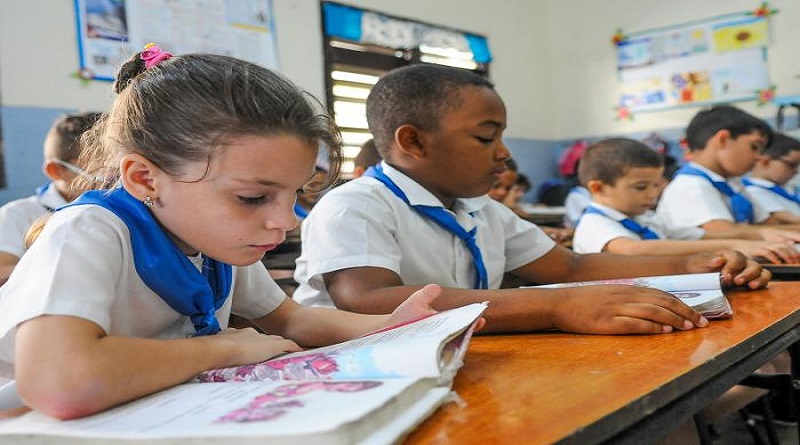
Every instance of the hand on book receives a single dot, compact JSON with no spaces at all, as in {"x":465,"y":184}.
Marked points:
{"x":735,"y":268}
{"x":622,"y":309}
{"x":417,"y":306}
{"x":253,"y":347}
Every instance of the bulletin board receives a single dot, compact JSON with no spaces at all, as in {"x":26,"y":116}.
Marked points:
{"x":723,"y":59}
{"x":110,"y":31}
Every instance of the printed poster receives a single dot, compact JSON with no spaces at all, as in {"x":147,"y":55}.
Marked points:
{"x":109,"y":31}
{"x":716,"y":60}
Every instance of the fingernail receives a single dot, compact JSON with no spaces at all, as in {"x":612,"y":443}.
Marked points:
{"x":703,"y":322}
{"x":687,"y":324}
{"x":666,"y":329}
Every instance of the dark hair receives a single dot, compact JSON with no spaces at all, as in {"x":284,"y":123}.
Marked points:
{"x":610,"y":159}
{"x":417,"y":95}
{"x":65,"y":135}
{"x":781,"y":145}
{"x":187,"y":106}
{"x":512,"y":165}
{"x":368,"y":156}
{"x":523,"y":182}
{"x":706,"y":123}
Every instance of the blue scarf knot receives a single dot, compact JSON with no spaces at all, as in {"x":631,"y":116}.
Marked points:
{"x":444,"y":219}
{"x":742,"y":208}
{"x":163,"y":267}
{"x":643,"y":231}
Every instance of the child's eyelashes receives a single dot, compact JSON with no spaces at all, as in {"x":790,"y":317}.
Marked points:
{"x":252,"y":200}
{"x":484,"y":140}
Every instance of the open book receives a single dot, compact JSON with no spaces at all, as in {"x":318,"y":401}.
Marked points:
{"x":701,"y":291}
{"x":371,"y":390}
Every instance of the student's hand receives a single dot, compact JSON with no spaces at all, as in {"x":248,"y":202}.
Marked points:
{"x":735,"y":268}
{"x":623,"y":309}
{"x":775,"y":253}
{"x":254,"y":347}
{"x":779,"y":235}
{"x":417,"y":306}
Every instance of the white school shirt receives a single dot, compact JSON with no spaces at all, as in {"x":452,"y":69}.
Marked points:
{"x":691,"y":201}
{"x":364,"y":224}
{"x":769,"y":200}
{"x":82,"y":265}
{"x":577,"y":200}
{"x":595,"y":231}
{"x":17,"y":216}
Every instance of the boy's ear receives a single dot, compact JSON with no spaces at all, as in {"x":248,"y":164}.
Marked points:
{"x":720,"y":138}
{"x":139,"y":176}
{"x":53,"y":170}
{"x":409,"y":139}
{"x":595,"y":186}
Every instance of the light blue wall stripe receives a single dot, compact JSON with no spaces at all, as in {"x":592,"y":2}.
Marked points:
{"x":24,"y":130}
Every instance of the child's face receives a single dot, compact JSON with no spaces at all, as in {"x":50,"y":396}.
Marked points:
{"x":741,"y":154}
{"x":778,"y":170}
{"x":466,"y":155}
{"x":634,"y":193}
{"x":244,"y":205}
{"x":501,"y":189}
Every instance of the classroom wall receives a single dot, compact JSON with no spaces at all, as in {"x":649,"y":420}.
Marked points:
{"x":554,"y":67}
{"x":584,"y":92}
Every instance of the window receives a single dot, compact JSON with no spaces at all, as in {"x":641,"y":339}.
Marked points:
{"x":361,"y":45}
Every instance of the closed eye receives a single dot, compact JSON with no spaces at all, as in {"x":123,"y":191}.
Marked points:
{"x":252,"y":200}
{"x":484,"y":140}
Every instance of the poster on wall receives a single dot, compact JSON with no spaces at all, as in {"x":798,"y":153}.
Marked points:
{"x":110,"y":31}
{"x":709,"y":61}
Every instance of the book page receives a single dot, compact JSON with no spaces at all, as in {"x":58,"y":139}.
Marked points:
{"x":270,"y":411}
{"x":413,"y":349}
{"x":668,"y":283}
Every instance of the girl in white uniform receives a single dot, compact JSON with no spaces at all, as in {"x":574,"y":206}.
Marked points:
{"x":128,"y":291}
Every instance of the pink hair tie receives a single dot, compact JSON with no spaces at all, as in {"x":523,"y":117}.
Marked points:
{"x":152,"y":55}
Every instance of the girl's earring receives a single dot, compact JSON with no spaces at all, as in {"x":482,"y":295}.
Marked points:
{"x":148,"y":201}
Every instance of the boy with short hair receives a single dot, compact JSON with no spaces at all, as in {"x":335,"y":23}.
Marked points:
{"x":766,"y":181}
{"x":61,"y":153}
{"x":366,"y":158}
{"x":625,"y":178}
{"x":424,"y":216}
{"x":724,"y":142}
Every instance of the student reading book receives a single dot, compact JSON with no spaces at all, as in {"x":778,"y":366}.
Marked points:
{"x":423,"y":216}
{"x":372,"y":389}
{"x":625,"y":178}
{"x":128,"y":291}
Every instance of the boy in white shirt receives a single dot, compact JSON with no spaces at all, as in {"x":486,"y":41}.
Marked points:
{"x":724,"y":143}
{"x":61,"y":152}
{"x":625,"y":178}
{"x":766,"y":181}
{"x":424,"y":216}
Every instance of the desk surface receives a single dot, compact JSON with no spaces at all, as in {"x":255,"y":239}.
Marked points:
{"x":565,"y":388}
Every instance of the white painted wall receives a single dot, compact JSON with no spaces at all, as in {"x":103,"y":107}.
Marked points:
{"x":582,"y":58}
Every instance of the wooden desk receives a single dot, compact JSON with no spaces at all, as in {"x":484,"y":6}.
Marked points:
{"x":583,"y":389}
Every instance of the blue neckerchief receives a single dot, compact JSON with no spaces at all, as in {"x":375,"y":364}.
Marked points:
{"x":444,"y":219}
{"x":778,"y":190}
{"x":643,"y":231}
{"x":40,"y":191}
{"x":299,"y":211}
{"x":163,"y":267}
{"x":742,"y":208}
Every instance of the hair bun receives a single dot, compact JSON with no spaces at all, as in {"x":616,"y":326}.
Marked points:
{"x":128,"y":71}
